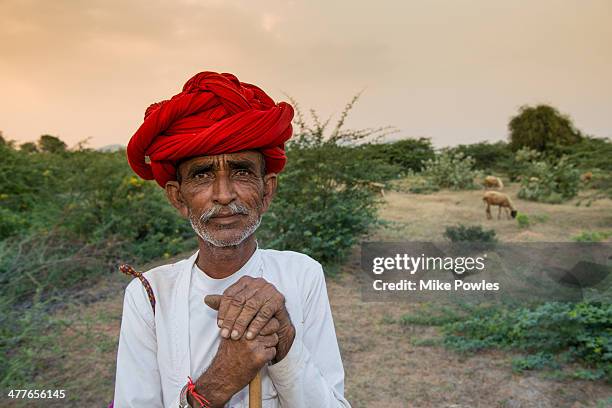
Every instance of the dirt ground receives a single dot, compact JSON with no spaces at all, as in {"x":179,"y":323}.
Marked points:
{"x":384,"y":367}
{"x":384,"y":363}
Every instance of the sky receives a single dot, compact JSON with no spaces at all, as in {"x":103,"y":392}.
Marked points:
{"x":455,"y":71}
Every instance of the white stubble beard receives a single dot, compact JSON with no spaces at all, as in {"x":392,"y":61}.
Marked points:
{"x":199,"y":225}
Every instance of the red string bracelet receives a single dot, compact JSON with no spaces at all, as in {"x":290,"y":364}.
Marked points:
{"x":200,"y":398}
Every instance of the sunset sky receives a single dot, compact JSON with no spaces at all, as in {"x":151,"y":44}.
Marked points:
{"x":452,"y":70}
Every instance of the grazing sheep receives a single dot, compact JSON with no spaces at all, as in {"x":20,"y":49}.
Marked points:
{"x":500,"y":200}
{"x":586,"y":177}
{"x":493,"y":182}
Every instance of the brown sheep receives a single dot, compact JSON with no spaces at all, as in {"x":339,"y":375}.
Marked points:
{"x":500,"y":200}
{"x":493,"y":182}
{"x":586,"y":177}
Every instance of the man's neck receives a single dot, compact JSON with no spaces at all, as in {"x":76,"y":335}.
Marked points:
{"x":221,"y":262}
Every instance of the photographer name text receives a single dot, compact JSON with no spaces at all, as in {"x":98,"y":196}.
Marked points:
{"x":434,"y":285}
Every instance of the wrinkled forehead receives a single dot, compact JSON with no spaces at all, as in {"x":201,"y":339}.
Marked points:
{"x":244,"y":159}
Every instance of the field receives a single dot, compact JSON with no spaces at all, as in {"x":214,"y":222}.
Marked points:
{"x":387,"y":364}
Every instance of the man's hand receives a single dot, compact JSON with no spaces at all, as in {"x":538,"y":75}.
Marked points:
{"x":247,"y":306}
{"x":235,"y":365}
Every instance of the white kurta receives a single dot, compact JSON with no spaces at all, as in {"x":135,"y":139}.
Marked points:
{"x":157,"y":353}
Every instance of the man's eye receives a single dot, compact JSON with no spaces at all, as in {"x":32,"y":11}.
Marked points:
{"x":242,"y":172}
{"x":202,"y":175}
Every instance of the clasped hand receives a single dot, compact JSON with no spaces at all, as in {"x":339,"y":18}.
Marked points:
{"x":247,"y":306}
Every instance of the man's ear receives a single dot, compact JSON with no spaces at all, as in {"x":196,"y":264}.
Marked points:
{"x":173,"y":193}
{"x":270,"y":186}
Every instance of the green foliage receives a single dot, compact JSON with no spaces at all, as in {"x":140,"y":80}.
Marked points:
{"x":25,"y":334}
{"x":590,"y":153}
{"x":542,"y":128}
{"x":523,"y":220}
{"x":607,"y":403}
{"x":51,"y":144}
{"x":589,"y":375}
{"x":451,"y":170}
{"x":581,"y":332}
{"x":593,"y":154}
{"x":535,"y":361}
{"x":29,"y":147}
{"x":407,"y":154}
{"x":487,"y":156}
{"x":323,"y":204}
{"x":73,"y":214}
{"x":474,"y":233}
{"x":546,"y":180}
{"x":549,"y":335}
{"x":592,"y":236}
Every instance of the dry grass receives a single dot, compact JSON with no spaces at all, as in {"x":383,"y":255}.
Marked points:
{"x":384,"y":367}
{"x":424,"y":216}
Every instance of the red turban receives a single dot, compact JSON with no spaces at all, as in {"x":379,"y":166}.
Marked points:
{"x":214,"y":114}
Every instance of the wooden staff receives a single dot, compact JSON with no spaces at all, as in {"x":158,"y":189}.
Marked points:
{"x":255,"y":400}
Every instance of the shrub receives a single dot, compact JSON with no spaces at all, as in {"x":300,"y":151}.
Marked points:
{"x":591,"y":153}
{"x":549,"y":334}
{"x":474,"y":233}
{"x":323,"y":205}
{"x":523,"y":220}
{"x":487,"y":156}
{"x":406,"y":154}
{"x":580,"y":332}
{"x":547,"y":181}
{"x":418,"y":184}
{"x":451,"y":170}
{"x":592,"y":236}
{"x":533,"y":362}
{"x":70,"y":215}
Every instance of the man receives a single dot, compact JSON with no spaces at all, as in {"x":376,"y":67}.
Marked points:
{"x":216,"y":148}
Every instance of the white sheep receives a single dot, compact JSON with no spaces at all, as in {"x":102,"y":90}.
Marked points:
{"x":500,"y":200}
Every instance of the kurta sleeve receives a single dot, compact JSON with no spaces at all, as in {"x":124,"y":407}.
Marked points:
{"x":137,"y":381}
{"x":311,"y":374}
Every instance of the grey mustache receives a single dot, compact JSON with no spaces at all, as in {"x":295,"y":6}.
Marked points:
{"x":234,"y":208}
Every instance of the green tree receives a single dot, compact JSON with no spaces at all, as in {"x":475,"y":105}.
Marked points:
{"x":28,"y":147}
{"x":51,"y":144}
{"x":542,"y":128}
{"x":487,"y":156}
{"x":408,"y":154}
{"x":6,"y":142}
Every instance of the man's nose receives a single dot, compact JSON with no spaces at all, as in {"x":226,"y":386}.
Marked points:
{"x":223,"y":190}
